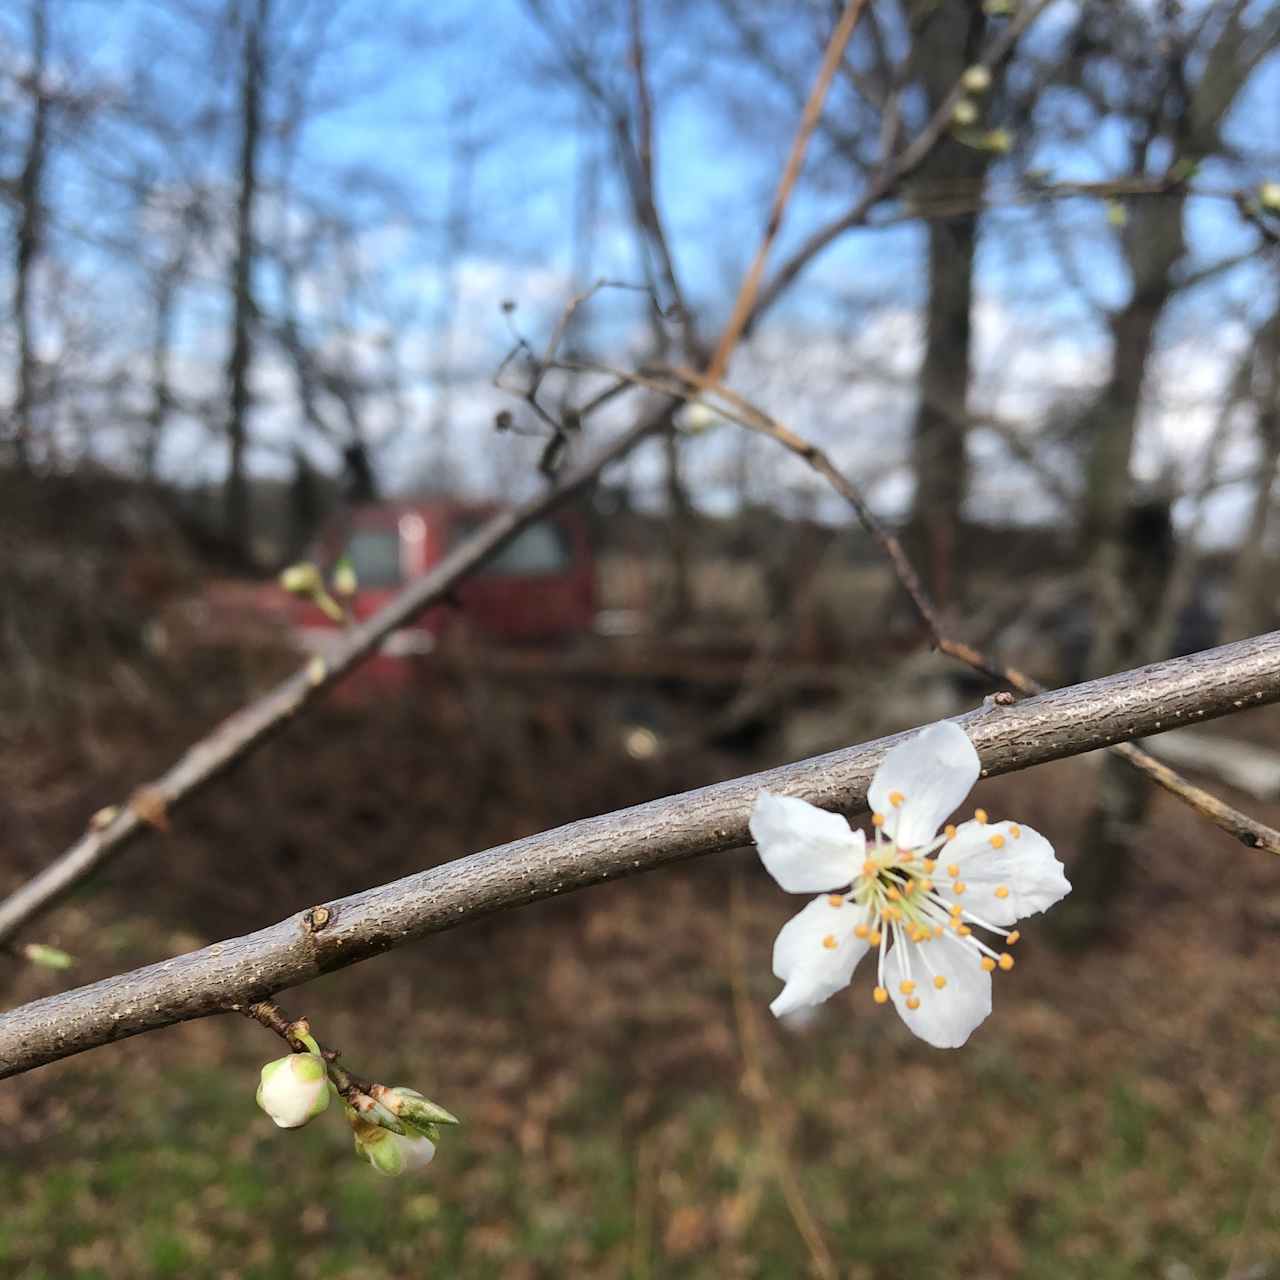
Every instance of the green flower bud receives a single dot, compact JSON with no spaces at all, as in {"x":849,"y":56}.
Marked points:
{"x":976,"y":79}
{"x":392,"y":1153}
{"x":294,"y":1089}
{"x":964,"y":112}
{"x":302,"y":579}
{"x":409,"y":1105}
{"x":345,"y":582}
{"x":48,"y":957}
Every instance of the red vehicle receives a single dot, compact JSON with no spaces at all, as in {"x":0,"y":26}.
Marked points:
{"x":538,"y":590}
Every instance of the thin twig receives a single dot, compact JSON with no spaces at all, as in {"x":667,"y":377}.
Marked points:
{"x":239,"y":971}
{"x":755,"y":1085}
{"x":745,"y":303}
{"x":1249,"y":831}
{"x":254,"y":723}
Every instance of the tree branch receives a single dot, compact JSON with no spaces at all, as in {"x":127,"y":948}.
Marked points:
{"x":229,"y":975}
{"x":242,"y":732}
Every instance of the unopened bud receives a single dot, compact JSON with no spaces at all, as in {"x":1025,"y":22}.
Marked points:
{"x":301,"y":579}
{"x":48,"y":957}
{"x":409,"y":1105}
{"x":294,"y":1089}
{"x":1117,"y":214}
{"x":1000,"y":140}
{"x":345,"y":582}
{"x":1269,"y":196}
{"x":695,"y":418}
{"x":964,"y":112}
{"x":391,"y":1153}
{"x":976,"y":80}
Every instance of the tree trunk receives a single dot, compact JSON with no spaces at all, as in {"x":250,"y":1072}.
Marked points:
{"x":236,"y":514}
{"x":946,"y":45}
{"x":30,"y":235}
{"x":1253,"y":588}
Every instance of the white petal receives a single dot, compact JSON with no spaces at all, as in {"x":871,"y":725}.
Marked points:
{"x":803,"y":957}
{"x":1023,"y":866}
{"x":805,"y":848}
{"x":932,"y":773}
{"x":946,"y":1018}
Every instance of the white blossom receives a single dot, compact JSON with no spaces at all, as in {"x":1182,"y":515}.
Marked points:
{"x":915,"y":897}
{"x":294,"y":1089}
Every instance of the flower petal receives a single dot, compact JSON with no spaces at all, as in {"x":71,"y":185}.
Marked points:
{"x":930,"y":775}
{"x":1023,"y":866}
{"x":945,"y":1018}
{"x":805,"y":848}
{"x":816,"y":953}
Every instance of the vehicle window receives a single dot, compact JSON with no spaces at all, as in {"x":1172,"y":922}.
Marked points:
{"x":375,"y":556}
{"x":542,"y":548}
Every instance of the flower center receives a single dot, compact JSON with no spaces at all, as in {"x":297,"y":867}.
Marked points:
{"x":897,"y":893}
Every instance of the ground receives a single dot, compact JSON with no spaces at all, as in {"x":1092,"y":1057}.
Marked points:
{"x":630,"y":1107}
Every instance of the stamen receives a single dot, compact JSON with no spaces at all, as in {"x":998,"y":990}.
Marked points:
{"x":874,"y":939}
{"x":829,"y":942}
{"x":860,"y":931}
{"x":980,"y":816}
{"x":940,"y":981}
{"x":987,"y":963}
{"x":1002,"y":891}
{"x":997,"y":841}
{"x":949,"y":831}
{"x":906,"y":987}
{"x":1015,"y":831}
{"x":913,"y":1003}
{"x":1011,"y":938}
{"x":870,"y":867}
{"x":877,"y":819}
{"x":835,"y":900}
{"x":958,"y":886}
{"x":1005,"y":962}
{"x":880,"y":995}
{"x":896,"y":798}
{"x":892,"y":894}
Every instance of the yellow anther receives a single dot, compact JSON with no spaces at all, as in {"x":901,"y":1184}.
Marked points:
{"x":913,"y":1002}
{"x":949,"y":831}
{"x":956,"y":910}
{"x":937,"y":931}
{"x":958,"y":886}
{"x":980,"y":815}
{"x":874,"y":939}
{"x":860,"y":931}
{"x":1002,"y":891}
{"x":892,"y":913}
{"x":1015,"y":831}
{"x":835,"y":900}
{"x":909,"y":888}
{"x":829,"y":942}
{"x":1013,"y":937}
{"x":877,"y":819}
{"x":953,"y":869}
{"x":997,"y":842}
{"x":896,"y":798}
{"x":1006,"y":962}
{"x":906,"y":987}
{"x":928,"y":865}
{"x":870,"y":867}
{"x":892,"y":894}
{"x":880,"y":995}
{"x":926,"y":886}
{"x":963,"y":930}
{"x":939,"y":982}
{"x":988,"y":963}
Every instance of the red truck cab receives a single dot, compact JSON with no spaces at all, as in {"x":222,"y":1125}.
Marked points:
{"x":538,"y":590}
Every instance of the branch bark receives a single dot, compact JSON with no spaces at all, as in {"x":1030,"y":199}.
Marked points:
{"x":239,"y":971}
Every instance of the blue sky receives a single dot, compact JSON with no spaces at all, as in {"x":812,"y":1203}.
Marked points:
{"x":410,"y":83}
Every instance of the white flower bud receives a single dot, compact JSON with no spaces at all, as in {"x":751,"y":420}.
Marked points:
{"x":391,"y":1153}
{"x":964,"y":112}
{"x":976,"y":80}
{"x":294,"y":1089}
{"x":1269,"y":196}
